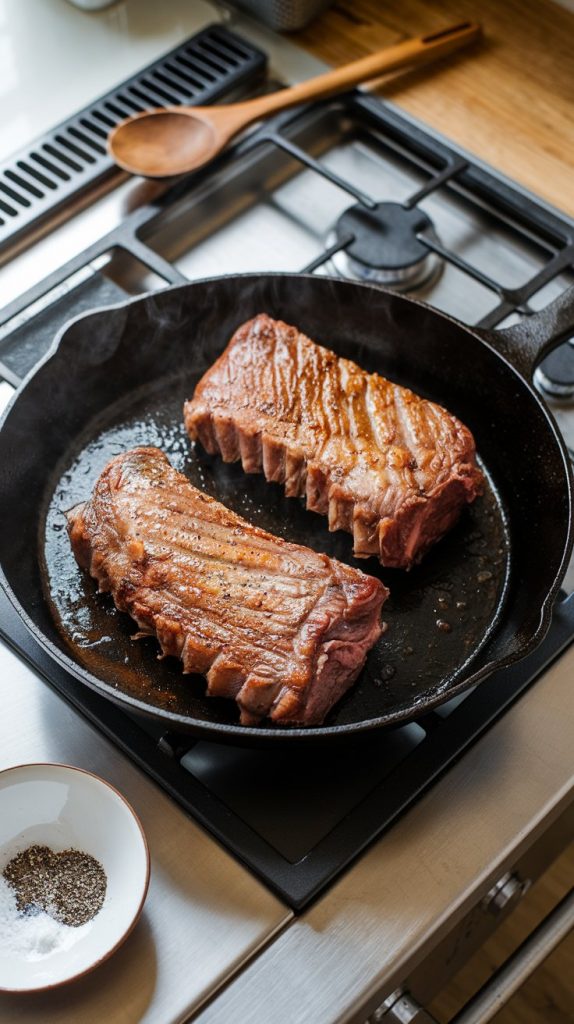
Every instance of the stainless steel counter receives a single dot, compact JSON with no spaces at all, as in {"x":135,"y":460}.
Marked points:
{"x":371,"y":929}
{"x":204,"y":915}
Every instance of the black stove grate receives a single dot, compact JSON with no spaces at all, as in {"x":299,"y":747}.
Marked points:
{"x":447,"y":167}
{"x":443,"y":166}
{"x":297,"y":822}
{"x":71,"y":159}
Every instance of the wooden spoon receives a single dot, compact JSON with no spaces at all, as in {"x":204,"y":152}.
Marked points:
{"x":175,"y":140}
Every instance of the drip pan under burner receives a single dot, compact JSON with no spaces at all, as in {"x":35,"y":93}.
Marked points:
{"x":384,"y":246}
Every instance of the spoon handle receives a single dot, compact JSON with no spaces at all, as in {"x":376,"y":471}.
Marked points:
{"x":410,"y":53}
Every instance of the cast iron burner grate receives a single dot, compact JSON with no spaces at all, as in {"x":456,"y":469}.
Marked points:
{"x":443,"y":167}
{"x":297,"y":822}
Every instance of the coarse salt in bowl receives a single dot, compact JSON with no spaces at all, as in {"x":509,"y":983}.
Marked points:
{"x":62,"y":807}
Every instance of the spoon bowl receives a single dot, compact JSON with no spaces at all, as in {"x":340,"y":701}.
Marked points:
{"x":164,"y":143}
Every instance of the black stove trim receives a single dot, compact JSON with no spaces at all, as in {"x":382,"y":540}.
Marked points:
{"x":298,"y":884}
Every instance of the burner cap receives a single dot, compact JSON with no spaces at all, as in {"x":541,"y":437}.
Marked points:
{"x":385,"y":248}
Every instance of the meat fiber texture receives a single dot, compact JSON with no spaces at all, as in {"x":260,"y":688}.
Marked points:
{"x":391,"y":468}
{"x":282,"y":630}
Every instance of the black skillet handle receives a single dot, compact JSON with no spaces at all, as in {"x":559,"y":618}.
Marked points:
{"x":525,"y":344}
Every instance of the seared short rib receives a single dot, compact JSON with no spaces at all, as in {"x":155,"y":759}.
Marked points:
{"x":281,"y":629}
{"x":393,"y":469}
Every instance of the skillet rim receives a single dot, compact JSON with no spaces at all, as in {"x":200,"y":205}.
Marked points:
{"x":298,"y":734}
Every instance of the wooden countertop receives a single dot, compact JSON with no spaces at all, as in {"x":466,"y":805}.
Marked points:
{"x":509,"y":99}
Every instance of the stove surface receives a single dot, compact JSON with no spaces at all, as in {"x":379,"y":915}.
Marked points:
{"x":313,"y":190}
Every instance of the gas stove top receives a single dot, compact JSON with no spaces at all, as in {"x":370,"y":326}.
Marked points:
{"x":351,"y":188}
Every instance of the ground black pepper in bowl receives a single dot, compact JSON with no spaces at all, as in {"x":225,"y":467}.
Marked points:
{"x":70,"y":886}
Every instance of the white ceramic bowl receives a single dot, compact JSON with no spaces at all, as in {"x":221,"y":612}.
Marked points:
{"x":61,"y":807}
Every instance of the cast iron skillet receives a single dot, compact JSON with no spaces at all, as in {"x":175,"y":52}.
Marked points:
{"x":118,"y":377}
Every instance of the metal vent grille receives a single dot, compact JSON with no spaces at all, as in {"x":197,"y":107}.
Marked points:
{"x":72,"y":157}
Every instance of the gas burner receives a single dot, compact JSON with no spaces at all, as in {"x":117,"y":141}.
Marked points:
{"x":384,"y":247}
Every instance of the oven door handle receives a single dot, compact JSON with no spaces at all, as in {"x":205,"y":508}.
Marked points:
{"x":403,"y":1009}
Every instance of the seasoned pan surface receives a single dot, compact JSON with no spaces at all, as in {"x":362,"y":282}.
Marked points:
{"x":439,"y":614}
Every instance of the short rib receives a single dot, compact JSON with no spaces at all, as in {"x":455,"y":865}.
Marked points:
{"x":391,"y":468}
{"x":282,"y":630}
